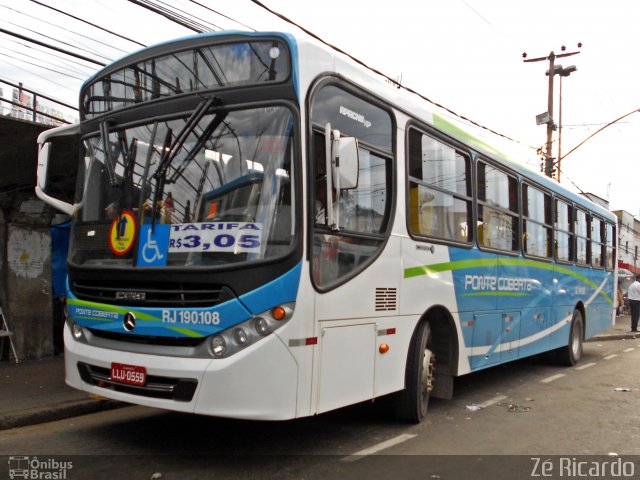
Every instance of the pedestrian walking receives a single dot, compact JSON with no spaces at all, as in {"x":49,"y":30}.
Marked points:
{"x":633,"y":294}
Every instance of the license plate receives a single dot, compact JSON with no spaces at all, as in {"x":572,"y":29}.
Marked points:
{"x":129,"y":374}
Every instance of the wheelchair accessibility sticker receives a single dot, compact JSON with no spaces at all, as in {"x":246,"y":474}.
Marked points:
{"x":122,"y":234}
{"x":153,"y":245}
{"x":230,"y":237}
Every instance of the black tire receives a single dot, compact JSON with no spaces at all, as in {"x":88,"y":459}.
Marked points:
{"x":571,"y":354}
{"x":410,"y":405}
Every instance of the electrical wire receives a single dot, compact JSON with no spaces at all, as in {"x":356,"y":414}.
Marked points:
{"x":52,"y":47}
{"x":211,"y":26}
{"x":48,"y":79}
{"x":185,"y":22}
{"x":222,"y":15}
{"x":58,"y":40}
{"x":596,"y":132}
{"x":89,"y":23}
{"x":378,"y":72}
{"x":62,"y":28}
{"x":39,"y":65}
{"x":66,"y":61}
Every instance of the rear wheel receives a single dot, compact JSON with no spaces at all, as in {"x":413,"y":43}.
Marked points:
{"x":571,"y":354}
{"x":411,"y":404}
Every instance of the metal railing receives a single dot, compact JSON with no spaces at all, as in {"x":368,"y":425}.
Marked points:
{"x":35,"y":114}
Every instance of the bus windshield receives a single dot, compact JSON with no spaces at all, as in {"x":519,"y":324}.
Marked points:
{"x":211,"y":188}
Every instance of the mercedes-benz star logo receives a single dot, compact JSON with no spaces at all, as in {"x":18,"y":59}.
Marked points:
{"x":129,"y":322}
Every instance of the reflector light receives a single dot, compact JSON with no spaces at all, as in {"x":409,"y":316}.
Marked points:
{"x":384,"y":348}
{"x":278,"y":313}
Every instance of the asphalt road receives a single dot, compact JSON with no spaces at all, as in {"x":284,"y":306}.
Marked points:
{"x":498,"y":423}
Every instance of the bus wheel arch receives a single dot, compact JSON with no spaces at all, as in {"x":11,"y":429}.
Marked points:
{"x":430,"y":367}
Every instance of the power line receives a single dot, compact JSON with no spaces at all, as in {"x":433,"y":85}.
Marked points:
{"x":39,"y":65}
{"x":58,"y":40}
{"x":46,"y":45}
{"x":596,"y":132}
{"x":378,"y":72}
{"x":222,"y":15}
{"x":185,"y":22}
{"x":38,"y":94}
{"x":61,"y":28}
{"x":176,"y":9}
{"x":66,"y":61}
{"x":89,"y":23}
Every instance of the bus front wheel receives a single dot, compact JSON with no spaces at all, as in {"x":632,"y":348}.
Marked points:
{"x":412,"y":402}
{"x":571,"y":354}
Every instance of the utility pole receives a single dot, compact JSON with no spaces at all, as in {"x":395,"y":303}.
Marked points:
{"x":547,"y":117}
{"x":548,"y":158}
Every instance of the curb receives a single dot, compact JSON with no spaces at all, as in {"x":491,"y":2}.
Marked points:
{"x":615,"y":336}
{"x":73,"y":408}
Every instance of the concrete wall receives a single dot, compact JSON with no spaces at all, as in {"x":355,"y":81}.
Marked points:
{"x":25,"y":243}
{"x":29,"y":300}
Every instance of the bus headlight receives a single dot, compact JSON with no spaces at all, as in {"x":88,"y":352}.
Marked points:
{"x":240,"y":336}
{"x":226,"y":343}
{"x":261,"y":326}
{"x":218,"y":345}
{"x":76,"y":331}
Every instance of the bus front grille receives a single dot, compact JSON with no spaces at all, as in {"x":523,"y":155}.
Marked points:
{"x":178,"y":389}
{"x":148,"y":339}
{"x":151,"y":294}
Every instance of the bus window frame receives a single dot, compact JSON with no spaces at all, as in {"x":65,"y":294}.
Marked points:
{"x":482,"y":203}
{"x":601,"y":244}
{"x":587,"y":238}
{"x":529,"y":184}
{"x":614,"y":245}
{"x":391,"y":157}
{"x":461,"y":149}
{"x":571,"y":232}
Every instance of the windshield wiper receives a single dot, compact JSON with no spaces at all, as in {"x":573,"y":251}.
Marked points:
{"x":171,"y":149}
{"x":108,"y":161}
{"x":129,"y":153}
{"x":203,"y":138}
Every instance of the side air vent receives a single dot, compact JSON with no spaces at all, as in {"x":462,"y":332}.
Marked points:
{"x":386,"y":299}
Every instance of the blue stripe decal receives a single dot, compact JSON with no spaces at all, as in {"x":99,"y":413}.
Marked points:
{"x":186,"y":322}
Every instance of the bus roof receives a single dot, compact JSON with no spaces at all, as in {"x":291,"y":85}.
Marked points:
{"x":327,"y":60}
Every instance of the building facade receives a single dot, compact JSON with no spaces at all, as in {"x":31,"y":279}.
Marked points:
{"x":628,"y":241}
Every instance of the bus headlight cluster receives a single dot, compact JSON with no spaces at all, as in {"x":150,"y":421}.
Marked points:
{"x":239,"y":337}
{"x":76,"y":330}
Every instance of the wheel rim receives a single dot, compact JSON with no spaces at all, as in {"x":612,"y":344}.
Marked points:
{"x":428,"y":368}
{"x":575,"y":339}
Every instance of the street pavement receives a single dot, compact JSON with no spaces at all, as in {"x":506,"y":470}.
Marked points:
{"x":34,"y":392}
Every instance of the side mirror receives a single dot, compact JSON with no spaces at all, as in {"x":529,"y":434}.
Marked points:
{"x":343,"y":163}
{"x":57,"y":170}
{"x":348,"y":162}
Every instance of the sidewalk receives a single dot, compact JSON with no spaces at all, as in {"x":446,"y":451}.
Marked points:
{"x":34,"y":392}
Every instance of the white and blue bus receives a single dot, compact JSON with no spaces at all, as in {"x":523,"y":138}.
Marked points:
{"x":264,"y":229}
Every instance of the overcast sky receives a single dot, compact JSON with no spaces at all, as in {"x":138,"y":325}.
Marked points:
{"x":464,"y":54}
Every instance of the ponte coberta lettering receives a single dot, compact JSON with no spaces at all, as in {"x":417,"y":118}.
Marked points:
{"x":491,"y":283}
